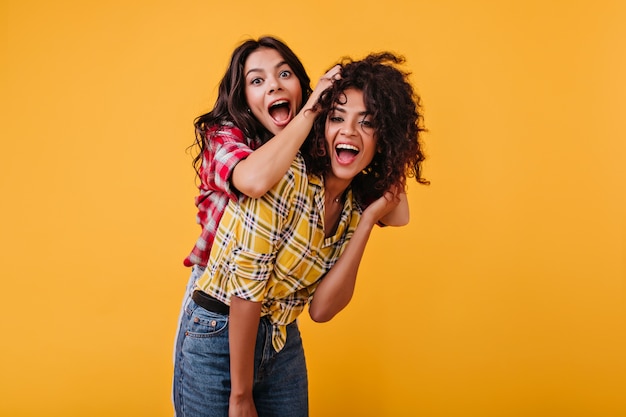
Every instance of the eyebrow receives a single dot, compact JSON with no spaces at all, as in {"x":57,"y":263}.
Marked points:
{"x":280,"y":64}
{"x":340,"y":109}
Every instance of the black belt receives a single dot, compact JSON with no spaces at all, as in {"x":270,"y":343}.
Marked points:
{"x":209,"y":303}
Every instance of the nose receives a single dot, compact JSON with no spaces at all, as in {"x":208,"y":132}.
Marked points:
{"x":274,"y":85}
{"x":348,"y":129}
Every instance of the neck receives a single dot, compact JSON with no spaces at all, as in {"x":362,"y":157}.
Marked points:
{"x":334,"y":189}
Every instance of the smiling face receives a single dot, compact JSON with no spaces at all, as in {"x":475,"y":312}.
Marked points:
{"x":273,"y":92}
{"x":350,"y":136}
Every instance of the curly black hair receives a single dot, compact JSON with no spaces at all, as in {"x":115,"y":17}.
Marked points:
{"x":395,"y":109}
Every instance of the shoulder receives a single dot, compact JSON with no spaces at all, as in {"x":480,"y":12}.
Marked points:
{"x":225,"y":131}
{"x":227,"y":144}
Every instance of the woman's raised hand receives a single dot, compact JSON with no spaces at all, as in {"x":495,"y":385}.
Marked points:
{"x":389,"y":201}
{"x":324,"y":83}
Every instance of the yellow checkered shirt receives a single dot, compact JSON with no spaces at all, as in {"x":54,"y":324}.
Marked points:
{"x":273,"y":250}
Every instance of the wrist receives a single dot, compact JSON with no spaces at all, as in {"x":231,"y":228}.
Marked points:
{"x":240,"y":394}
{"x":367,"y":223}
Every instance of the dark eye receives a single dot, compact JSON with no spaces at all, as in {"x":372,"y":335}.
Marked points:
{"x":335,"y":119}
{"x":285,"y":74}
{"x":256,"y":81}
{"x":367,"y":126}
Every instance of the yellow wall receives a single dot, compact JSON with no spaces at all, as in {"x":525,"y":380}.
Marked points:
{"x":508,"y":285}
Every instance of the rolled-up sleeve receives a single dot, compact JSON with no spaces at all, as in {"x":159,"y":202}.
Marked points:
{"x":226,"y":151}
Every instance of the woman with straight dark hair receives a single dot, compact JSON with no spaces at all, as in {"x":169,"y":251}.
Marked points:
{"x":264,"y":98}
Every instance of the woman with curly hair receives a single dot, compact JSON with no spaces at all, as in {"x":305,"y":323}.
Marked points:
{"x":395,"y":112}
{"x":300,"y":243}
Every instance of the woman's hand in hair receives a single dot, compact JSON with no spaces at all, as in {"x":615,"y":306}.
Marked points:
{"x":391,"y":209}
{"x":323,"y":84}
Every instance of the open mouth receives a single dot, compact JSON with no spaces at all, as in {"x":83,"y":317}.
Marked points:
{"x":346,"y":153}
{"x":280,"y":111}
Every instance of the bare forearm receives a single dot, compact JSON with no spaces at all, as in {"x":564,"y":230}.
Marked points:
{"x":243,"y":327}
{"x":256,"y":174}
{"x":336,"y":289}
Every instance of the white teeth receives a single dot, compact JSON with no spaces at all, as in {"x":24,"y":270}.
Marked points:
{"x":348,"y":147}
{"x":279,"y":102}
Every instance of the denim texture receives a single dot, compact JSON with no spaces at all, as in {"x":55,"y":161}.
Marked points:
{"x":196,"y":272}
{"x":202,"y":368}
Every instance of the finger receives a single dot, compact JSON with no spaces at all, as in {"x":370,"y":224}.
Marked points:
{"x":334,"y":73}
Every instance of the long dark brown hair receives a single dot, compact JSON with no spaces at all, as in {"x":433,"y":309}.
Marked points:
{"x":231,"y":105}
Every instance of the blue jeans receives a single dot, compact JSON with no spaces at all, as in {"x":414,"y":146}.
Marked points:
{"x":196,"y":272}
{"x":202,"y":368}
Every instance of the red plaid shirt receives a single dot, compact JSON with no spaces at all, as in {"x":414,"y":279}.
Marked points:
{"x":226,"y":145}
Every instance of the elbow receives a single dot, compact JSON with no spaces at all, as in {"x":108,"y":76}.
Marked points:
{"x":320,"y":316}
{"x":395,"y":222}
{"x":403,"y":218}
{"x":250,"y":185}
{"x":320,"y":313}
{"x":253,"y":189}
{"x":403,"y":221}
{"x":254,"y":192}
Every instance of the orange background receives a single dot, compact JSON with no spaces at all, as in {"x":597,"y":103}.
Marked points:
{"x":505,"y":296}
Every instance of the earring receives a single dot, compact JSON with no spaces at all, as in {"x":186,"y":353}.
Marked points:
{"x":249,"y":111}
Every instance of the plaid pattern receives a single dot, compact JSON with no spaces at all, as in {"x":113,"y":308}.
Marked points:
{"x":226,"y":146}
{"x":273,"y":250}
